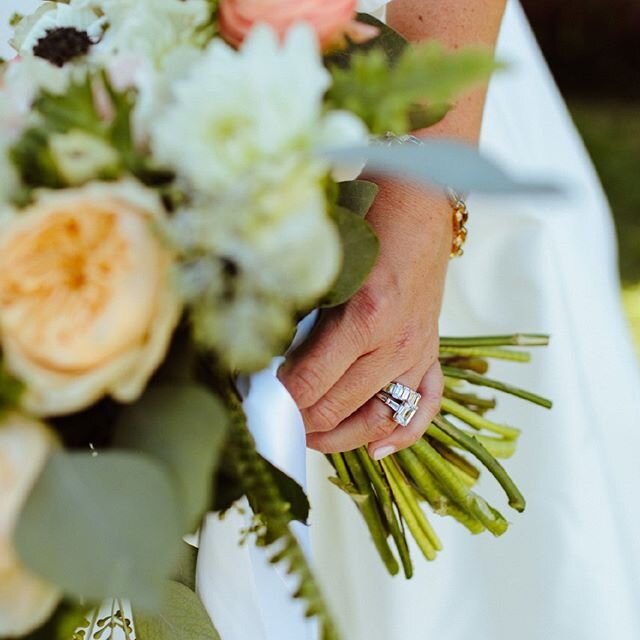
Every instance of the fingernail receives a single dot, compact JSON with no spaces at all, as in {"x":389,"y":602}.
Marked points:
{"x":383,"y":452}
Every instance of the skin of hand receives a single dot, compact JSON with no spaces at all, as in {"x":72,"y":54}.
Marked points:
{"x":389,"y":330}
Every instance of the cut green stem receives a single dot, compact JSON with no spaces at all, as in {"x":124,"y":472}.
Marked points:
{"x":385,"y":498}
{"x":475,"y":448}
{"x":451,"y":484}
{"x":428,"y":487}
{"x":482,"y":381}
{"x":477,"y":421}
{"x":411,"y":511}
{"x":516,"y":340}
{"x":495,"y":353}
{"x":369,"y":510}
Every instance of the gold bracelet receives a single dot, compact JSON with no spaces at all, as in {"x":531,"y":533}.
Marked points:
{"x":460,"y":219}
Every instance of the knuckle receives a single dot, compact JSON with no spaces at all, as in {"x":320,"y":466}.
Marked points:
{"x":303,"y":384}
{"x":377,"y":426}
{"x":370,"y":308}
{"x":324,"y":416}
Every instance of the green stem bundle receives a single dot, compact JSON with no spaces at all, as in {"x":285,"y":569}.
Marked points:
{"x":436,"y":469}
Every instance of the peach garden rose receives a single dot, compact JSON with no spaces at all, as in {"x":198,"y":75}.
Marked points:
{"x":25,"y":600}
{"x":329,"y":19}
{"x":87,"y":303}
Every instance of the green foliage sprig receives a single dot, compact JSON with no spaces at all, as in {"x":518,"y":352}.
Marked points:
{"x":77,"y":111}
{"x":274,"y":512}
{"x":397,"y":88}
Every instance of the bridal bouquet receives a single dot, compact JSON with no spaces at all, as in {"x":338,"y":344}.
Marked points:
{"x":178,"y":187}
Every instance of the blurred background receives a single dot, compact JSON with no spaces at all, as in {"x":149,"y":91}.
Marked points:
{"x":593,"y":48}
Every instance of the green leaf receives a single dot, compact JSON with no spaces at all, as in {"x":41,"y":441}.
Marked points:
{"x":388,"y":41}
{"x":185,"y":571}
{"x":183,"y":617}
{"x":440,"y":163}
{"x":184,"y":426}
{"x":73,"y":109}
{"x":360,"y":246}
{"x":425,"y":116}
{"x":76,"y":111}
{"x":357,"y":195}
{"x":291,"y":492}
{"x":385,"y":93}
{"x":33,"y":159}
{"x":226,"y":488}
{"x":102,"y":526}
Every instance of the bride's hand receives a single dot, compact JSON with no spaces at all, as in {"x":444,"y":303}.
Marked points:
{"x":387,"y":332}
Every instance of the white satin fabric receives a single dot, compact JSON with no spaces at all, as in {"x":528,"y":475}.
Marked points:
{"x":569,"y":567}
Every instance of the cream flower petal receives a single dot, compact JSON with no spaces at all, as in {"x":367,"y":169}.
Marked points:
{"x":25,"y":600}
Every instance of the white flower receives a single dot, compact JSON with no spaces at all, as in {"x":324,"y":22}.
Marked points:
{"x":23,"y":80}
{"x":247,"y":332}
{"x":292,"y":252}
{"x":249,"y":115}
{"x":25,"y":600}
{"x":152,"y":28}
{"x":80,"y":156}
{"x":56,"y":15}
{"x":87,"y":305}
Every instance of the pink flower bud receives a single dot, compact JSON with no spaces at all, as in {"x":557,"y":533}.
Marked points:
{"x":330,"y":19}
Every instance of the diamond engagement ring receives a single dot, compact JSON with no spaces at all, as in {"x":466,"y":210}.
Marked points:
{"x":402,"y":399}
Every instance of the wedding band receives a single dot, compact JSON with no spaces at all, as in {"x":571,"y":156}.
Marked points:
{"x":402,"y":399}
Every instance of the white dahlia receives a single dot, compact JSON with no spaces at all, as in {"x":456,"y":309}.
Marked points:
{"x":248,"y":116}
{"x":150,"y":28}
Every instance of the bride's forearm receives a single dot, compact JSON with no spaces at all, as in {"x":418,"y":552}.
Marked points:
{"x":456,"y":23}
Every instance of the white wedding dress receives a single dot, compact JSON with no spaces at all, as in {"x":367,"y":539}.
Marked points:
{"x":569,"y":568}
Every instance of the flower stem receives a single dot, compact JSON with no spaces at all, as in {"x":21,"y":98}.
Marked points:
{"x":386,"y":500}
{"x":482,"y":381}
{"x":368,"y":507}
{"x":411,"y":511}
{"x":485,"y":352}
{"x":473,"y":446}
{"x":477,"y":421}
{"x":428,"y":487}
{"x":470,"y":399}
{"x":497,"y":447}
{"x":516,"y":340}
{"x":469,"y":501}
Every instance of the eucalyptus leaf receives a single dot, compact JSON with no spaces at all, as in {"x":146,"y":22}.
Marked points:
{"x":183,"y":617}
{"x":102,"y":526}
{"x":291,"y":492}
{"x":440,"y":163}
{"x":360,"y":246}
{"x":184,"y":426}
{"x":357,"y":195}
